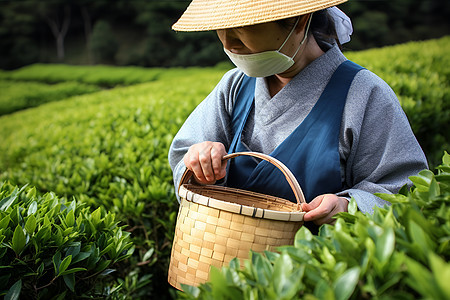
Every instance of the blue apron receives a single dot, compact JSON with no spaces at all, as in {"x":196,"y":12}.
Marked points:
{"x":311,"y":151}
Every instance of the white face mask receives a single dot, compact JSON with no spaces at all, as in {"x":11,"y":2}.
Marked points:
{"x":266,"y":63}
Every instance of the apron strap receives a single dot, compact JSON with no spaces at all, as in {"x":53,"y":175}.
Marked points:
{"x":242,"y":106}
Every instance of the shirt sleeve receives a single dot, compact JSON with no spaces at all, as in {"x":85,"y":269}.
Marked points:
{"x":215,"y":111}
{"x":379,"y":148}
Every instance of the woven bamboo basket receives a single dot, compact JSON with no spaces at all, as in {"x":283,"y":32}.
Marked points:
{"x":216,"y":224}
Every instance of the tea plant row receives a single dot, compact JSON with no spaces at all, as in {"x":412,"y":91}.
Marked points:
{"x":398,"y":252}
{"x":109,"y":150}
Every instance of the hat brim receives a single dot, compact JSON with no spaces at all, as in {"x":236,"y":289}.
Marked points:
{"x":204,"y":15}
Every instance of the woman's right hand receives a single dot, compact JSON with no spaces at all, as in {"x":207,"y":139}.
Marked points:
{"x":205,"y":161}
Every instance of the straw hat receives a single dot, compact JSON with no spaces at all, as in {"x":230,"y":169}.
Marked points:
{"x":203,"y":15}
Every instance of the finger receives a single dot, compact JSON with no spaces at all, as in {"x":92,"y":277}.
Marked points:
{"x":313,"y":204}
{"x":323,"y":207}
{"x":192,"y":163}
{"x":218,"y":166}
{"x":204,"y":158}
{"x":328,"y":219}
{"x":217,"y":153}
{"x":330,"y":206}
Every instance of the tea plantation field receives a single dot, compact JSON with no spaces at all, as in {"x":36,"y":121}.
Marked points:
{"x":98,"y":136}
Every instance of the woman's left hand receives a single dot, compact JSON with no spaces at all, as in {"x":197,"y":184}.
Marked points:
{"x":322,"y":208}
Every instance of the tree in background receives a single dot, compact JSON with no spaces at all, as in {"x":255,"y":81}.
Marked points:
{"x":58,"y":17}
{"x":18,"y":44}
{"x":163,"y":47}
{"x":103,"y":43}
{"x":384,"y":22}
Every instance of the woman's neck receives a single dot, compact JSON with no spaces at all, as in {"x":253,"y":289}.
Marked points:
{"x":310,"y":53}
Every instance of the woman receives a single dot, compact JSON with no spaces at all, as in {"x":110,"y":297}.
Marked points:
{"x":338,"y":127}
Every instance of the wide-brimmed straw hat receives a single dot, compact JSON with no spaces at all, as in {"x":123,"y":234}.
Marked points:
{"x":203,"y":15}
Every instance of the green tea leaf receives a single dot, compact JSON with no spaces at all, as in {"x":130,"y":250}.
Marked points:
{"x":423,"y":180}
{"x":148,"y":254}
{"x":385,"y":245}
{"x":56,"y":262}
{"x":346,"y":283}
{"x":31,"y":193}
{"x":420,"y":238}
{"x":5,"y":203}
{"x":30,"y":225}
{"x":190,"y":290}
{"x":327,"y":257}
{"x":352,"y":206}
{"x":434,"y":189}
{"x":74,"y":250}
{"x":4,"y":223}
{"x":14,"y":291}
{"x":446,"y":158}
{"x":32,"y":208}
{"x":96,"y":215}
{"x":64,"y":264}
{"x":69,"y":279}
{"x":70,"y":218}
{"x":73,"y":270}
{"x":323,"y":290}
{"x":302,"y":235}
{"x":441,"y":274}
{"x":81,"y":256}
{"x":59,"y":236}
{"x":102,"y":265}
{"x":40,"y":269}
{"x":18,"y":240}
{"x":422,"y":280}
{"x":282,"y":270}
{"x":218,"y":281}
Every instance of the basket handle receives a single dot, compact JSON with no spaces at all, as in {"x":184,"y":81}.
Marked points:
{"x":287,"y":173}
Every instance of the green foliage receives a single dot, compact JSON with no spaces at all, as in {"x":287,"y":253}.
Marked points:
{"x":54,"y":248}
{"x":20,"y":95}
{"x":418,"y":73}
{"x":402,"y":251}
{"x":380,"y":23}
{"x":103,"y":76}
{"x":109,"y":149}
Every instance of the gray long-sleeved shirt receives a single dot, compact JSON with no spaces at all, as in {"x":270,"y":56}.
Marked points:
{"x":378,"y":150}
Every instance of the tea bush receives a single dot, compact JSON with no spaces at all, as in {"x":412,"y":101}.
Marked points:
{"x":100,"y":75}
{"x":20,"y":95}
{"x":399,"y":252}
{"x":52,"y":248}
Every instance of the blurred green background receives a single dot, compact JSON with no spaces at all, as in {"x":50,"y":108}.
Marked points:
{"x":138,"y":32}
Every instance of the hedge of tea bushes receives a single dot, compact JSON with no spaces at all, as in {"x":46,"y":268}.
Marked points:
{"x":419,"y":73}
{"x":109,"y":149}
{"x":399,"y":252}
{"x":51,"y":248}
{"x":36,"y":84}
{"x":105,"y":76}
{"x":20,"y":95}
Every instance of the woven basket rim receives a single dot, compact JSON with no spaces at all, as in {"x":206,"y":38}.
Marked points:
{"x":188,"y":195}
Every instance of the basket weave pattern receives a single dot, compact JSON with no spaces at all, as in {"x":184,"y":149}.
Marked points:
{"x":216,"y":224}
